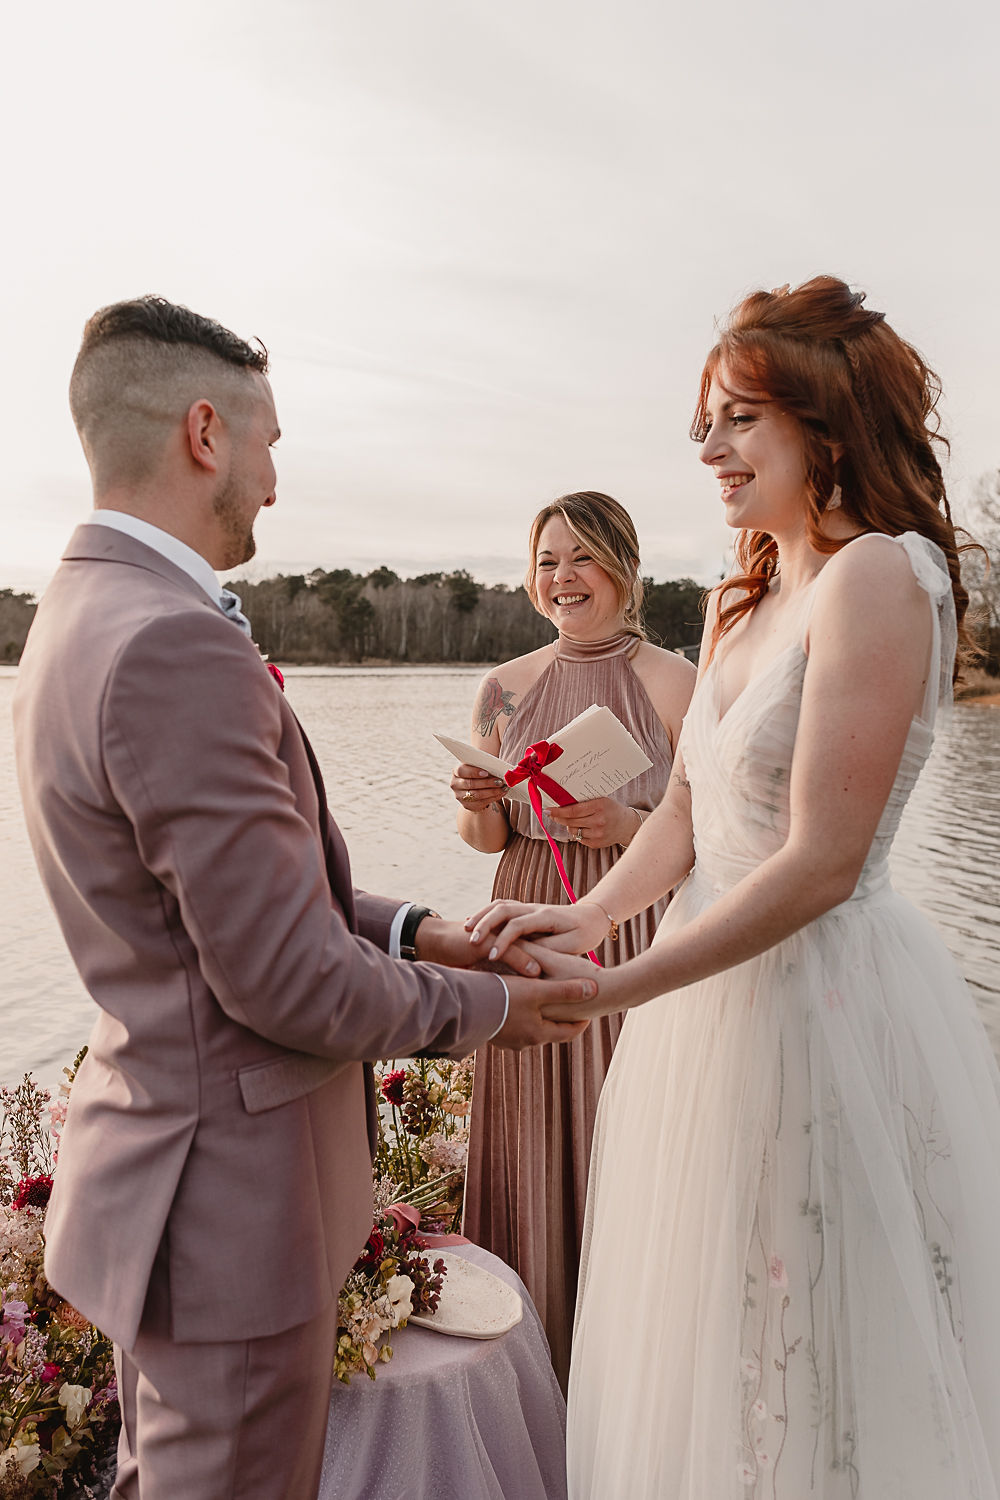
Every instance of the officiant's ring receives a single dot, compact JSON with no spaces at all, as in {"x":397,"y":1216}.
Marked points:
{"x":578,"y":835}
{"x":468,"y":796}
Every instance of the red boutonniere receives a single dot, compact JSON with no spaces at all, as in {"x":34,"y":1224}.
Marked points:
{"x":276,"y":674}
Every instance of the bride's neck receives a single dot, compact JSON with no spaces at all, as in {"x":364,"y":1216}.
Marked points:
{"x":798,"y":560}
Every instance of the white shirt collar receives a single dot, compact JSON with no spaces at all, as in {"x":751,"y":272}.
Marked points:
{"x":174,"y":550}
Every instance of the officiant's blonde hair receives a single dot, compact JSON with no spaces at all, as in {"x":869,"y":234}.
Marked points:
{"x":608,"y":533}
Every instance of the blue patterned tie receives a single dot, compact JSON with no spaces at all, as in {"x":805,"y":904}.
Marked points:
{"x":230,"y":604}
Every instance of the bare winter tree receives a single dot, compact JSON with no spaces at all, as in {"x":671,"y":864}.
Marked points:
{"x":981,"y":574}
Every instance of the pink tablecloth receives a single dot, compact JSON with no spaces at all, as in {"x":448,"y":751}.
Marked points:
{"x":452,"y":1419}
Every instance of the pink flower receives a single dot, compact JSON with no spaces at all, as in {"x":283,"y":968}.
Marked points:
{"x":777,"y":1275}
{"x":14,"y":1314}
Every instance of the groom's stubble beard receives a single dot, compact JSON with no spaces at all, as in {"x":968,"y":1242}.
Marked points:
{"x":238,"y":538}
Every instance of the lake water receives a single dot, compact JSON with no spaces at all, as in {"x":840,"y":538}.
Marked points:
{"x":387,"y":780}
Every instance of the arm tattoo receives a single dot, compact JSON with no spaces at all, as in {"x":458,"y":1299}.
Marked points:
{"x":492,"y":702}
{"x":681,"y":781}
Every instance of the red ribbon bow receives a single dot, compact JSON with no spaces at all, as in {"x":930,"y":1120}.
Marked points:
{"x":529,"y":769}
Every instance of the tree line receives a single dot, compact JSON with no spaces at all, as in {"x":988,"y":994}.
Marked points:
{"x":16,"y":614}
{"x":981,"y":569}
{"x":341,"y":616}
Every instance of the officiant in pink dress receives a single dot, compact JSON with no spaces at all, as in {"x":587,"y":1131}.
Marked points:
{"x":533,"y":1115}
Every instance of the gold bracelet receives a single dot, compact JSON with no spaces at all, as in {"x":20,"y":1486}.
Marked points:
{"x":613,"y":934}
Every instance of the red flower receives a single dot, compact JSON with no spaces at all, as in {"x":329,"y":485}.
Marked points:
{"x":392,"y":1086}
{"x":33,"y":1192}
{"x":50,"y":1374}
{"x":279,"y":679}
{"x":374,"y":1247}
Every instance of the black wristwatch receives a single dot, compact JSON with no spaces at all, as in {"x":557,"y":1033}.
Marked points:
{"x":408,"y":931}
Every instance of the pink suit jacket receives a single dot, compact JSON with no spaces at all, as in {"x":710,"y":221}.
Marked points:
{"x":180,"y":827}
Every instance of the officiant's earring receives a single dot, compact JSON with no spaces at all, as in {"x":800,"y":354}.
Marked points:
{"x":835,"y":499}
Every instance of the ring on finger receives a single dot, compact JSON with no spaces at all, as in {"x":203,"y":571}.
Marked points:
{"x":468,"y":796}
{"x":578,"y":835}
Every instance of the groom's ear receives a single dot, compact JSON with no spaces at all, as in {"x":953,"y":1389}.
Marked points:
{"x":204,"y":432}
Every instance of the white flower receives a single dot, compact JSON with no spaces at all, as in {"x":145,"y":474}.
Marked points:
{"x":76,"y":1399}
{"x":28,"y":1455}
{"x":399,"y":1292}
{"x":445,"y":1153}
{"x":759,"y":1410}
{"x":374,"y":1323}
{"x":750,"y":1369}
{"x":746,"y":1474}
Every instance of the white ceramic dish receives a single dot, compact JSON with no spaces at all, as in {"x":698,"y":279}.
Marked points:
{"x":474,"y":1303}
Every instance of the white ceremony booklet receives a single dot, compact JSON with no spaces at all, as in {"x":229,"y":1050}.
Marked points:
{"x":599,"y":755}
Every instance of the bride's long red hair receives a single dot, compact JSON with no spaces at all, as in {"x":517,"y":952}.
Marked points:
{"x":851,"y":381}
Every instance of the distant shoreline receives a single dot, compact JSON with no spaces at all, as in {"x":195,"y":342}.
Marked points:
{"x":379,"y":662}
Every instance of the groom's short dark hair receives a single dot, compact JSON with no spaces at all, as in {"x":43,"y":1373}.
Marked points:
{"x":140,"y":365}
{"x":154,"y":319}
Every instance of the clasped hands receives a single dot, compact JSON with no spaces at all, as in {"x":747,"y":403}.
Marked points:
{"x":551,"y":937}
{"x":553,"y":995}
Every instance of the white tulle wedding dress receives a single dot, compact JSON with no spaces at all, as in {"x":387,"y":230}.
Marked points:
{"x":791,"y":1275}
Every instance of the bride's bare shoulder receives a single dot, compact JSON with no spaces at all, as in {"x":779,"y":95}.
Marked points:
{"x":872,"y":573}
{"x":868,"y":602}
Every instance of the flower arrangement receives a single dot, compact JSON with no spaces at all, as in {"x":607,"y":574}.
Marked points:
{"x":58,"y":1397}
{"x":391,"y":1280}
{"x":419,"y":1171}
{"x":423,"y":1139}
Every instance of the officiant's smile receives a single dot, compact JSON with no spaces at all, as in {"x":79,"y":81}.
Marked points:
{"x":575,"y":592}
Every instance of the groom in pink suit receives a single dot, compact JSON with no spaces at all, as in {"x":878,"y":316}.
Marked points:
{"x":214,"y":1181}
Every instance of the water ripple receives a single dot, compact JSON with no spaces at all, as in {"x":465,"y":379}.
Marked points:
{"x":388,"y":786}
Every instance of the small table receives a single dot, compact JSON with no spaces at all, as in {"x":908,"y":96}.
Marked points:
{"x":451,"y":1418}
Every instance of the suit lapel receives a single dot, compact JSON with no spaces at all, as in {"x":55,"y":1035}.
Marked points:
{"x":334,"y":847}
{"x":337,"y":864}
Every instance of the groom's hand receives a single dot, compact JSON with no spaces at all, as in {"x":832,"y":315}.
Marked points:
{"x":439,"y":941}
{"x":545,"y":1010}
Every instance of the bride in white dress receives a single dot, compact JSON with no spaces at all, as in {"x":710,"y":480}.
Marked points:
{"x":791,"y":1273}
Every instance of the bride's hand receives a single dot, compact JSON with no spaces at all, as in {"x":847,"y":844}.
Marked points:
{"x":566,"y":929}
{"x":617,"y":989}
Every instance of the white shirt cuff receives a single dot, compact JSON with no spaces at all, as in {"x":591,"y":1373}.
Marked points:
{"x":396,"y":929}
{"x":394,"y":935}
{"x":506,"y":1006}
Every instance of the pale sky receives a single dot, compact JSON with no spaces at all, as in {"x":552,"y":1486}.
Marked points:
{"x":486,"y":244}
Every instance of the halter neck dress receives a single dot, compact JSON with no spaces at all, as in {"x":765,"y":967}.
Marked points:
{"x":533,"y":1111}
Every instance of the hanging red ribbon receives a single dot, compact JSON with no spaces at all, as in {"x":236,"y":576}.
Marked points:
{"x":529,"y":769}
